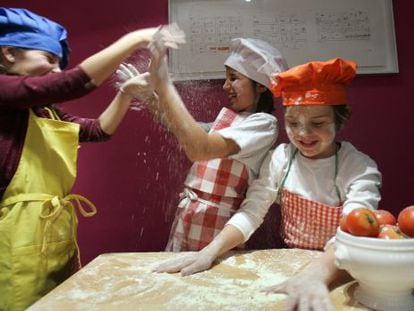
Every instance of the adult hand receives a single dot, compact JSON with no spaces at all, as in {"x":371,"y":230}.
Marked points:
{"x":188,"y":264}
{"x":306,"y":292}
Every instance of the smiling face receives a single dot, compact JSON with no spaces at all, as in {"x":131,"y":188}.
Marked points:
{"x":242,"y":92}
{"x":312,"y":130}
{"x":27,"y":62}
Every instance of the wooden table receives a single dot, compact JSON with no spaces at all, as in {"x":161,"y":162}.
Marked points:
{"x":124,"y":281}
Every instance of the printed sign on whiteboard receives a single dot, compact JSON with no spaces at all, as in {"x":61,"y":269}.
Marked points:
{"x":303,"y":30}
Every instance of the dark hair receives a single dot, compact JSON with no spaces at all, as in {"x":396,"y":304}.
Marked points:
{"x":342,"y":113}
{"x":265,"y":102}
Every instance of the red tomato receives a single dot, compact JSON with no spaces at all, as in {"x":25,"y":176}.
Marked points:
{"x":362,"y":222}
{"x":391,"y":232}
{"x":406,"y":220}
{"x":342,"y":224}
{"x":385,"y":217}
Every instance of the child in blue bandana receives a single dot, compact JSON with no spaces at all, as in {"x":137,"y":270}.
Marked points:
{"x":38,"y":148}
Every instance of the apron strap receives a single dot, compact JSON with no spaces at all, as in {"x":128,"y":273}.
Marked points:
{"x":338,"y":193}
{"x":52,"y":113}
{"x":282,"y":184}
{"x":58,"y":205}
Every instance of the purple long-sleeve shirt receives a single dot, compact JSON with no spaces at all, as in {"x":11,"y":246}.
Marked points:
{"x":20,"y":93}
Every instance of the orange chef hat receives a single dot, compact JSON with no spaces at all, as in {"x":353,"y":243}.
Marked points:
{"x":314,"y":83}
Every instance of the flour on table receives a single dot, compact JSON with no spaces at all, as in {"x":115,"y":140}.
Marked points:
{"x":125,"y":281}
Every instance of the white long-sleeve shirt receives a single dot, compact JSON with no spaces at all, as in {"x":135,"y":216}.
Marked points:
{"x":255,"y":134}
{"x":358,"y":180}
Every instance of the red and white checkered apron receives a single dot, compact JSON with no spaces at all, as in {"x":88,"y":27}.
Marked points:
{"x":214,"y":191}
{"x":305,"y":223}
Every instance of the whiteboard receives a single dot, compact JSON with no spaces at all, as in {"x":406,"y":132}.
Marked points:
{"x":303,"y":30}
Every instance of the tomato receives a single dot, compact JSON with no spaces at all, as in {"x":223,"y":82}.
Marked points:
{"x":362,"y":222}
{"x":391,"y":232}
{"x":342,"y":224}
{"x":406,"y":220}
{"x":385,"y":217}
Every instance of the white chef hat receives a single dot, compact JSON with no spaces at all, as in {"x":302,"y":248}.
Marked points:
{"x":256,"y":59}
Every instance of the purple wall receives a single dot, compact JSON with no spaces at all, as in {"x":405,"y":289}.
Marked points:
{"x":134,"y":179}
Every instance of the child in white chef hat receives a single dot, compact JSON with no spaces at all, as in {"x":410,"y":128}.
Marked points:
{"x":315,"y":179}
{"x":227,"y":157}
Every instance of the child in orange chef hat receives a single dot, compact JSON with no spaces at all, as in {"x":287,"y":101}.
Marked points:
{"x":314,"y":178}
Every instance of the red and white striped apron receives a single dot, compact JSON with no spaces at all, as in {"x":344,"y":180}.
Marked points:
{"x":305,"y":223}
{"x":214,"y":191}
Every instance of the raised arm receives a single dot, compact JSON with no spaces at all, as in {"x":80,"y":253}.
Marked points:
{"x":195,"y":141}
{"x":197,"y":144}
{"x":102,"y":64}
{"x":114,"y":113}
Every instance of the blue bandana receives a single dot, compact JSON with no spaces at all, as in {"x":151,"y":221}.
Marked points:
{"x":24,"y":29}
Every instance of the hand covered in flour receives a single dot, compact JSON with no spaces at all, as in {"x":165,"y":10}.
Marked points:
{"x":167,"y":36}
{"x":159,"y":71}
{"x":189,"y":264}
{"x":164,"y":38}
{"x":135,"y":84}
{"x":306,"y":292}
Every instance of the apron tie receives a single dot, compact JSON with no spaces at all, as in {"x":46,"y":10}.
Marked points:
{"x":58,"y":204}
{"x":189,"y":195}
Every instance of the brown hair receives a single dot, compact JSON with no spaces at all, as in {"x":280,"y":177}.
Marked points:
{"x":342,"y":114}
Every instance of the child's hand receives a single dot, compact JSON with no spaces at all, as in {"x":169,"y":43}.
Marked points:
{"x":305,"y":292}
{"x":159,"y":71}
{"x":134,"y":83}
{"x":166,"y":37}
{"x":189,"y":264}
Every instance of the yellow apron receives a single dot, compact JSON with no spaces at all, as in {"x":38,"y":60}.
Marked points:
{"x":38,"y":221}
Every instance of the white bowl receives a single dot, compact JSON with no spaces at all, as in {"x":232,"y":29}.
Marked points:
{"x":383,"y":268}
